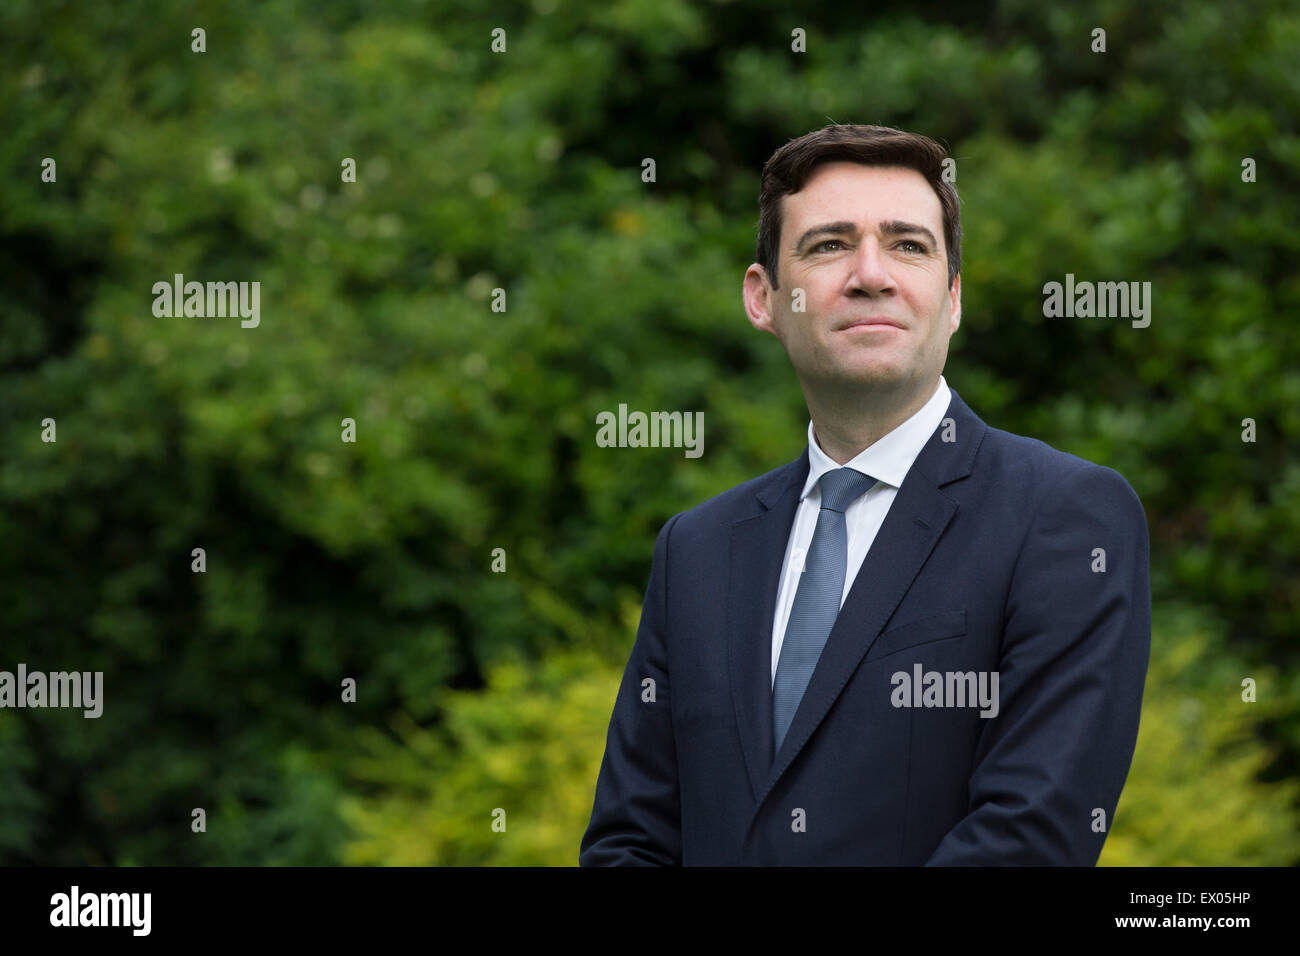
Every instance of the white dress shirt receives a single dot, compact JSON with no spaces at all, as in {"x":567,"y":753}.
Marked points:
{"x":888,"y":460}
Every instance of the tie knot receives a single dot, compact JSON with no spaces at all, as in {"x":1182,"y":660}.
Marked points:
{"x":843,"y":486}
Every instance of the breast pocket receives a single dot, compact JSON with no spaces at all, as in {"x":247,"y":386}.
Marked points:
{"x":938,"y":626}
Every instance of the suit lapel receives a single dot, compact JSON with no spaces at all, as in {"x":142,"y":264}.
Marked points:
{"x":917,"y":518}
{"x":758,"y":543}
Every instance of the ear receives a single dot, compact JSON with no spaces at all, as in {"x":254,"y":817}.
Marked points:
{"x":955,"y":294}
{"x":759,"y":298}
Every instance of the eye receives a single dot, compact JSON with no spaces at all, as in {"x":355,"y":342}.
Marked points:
{"x":911,"y":242}
{"x":826,"y":243}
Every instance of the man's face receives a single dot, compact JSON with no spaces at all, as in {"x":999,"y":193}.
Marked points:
{"x":863,"y":243}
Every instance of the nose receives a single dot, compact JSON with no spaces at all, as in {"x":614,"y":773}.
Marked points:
{"x":870,"y":269}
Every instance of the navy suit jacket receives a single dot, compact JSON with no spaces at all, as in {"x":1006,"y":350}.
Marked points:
{"x":989,"y":559}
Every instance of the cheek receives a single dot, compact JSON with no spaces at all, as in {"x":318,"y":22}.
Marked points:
{"x":936,"y":317}
{"x":790,"y":331}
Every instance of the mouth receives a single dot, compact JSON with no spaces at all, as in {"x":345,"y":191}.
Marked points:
{"x":871,"y":323}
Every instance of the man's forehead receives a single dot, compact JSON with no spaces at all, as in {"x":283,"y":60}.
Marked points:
{"x":862,"y":194}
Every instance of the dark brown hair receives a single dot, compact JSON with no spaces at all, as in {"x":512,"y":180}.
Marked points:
{"x":789,"y":168}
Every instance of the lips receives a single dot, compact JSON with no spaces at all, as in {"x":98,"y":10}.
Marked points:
{"x":872,"y":322}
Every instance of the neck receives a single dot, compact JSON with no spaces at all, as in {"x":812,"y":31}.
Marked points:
{"x":846,"y":423}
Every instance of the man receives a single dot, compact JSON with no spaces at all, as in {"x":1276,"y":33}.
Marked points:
{"x":925,"y":640}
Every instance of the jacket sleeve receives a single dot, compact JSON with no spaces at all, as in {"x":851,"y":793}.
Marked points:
{"x":1075,"y":647}
{"x":636,"y":816}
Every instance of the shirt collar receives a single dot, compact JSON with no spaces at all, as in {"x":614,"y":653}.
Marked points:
{"x":890,"y":457}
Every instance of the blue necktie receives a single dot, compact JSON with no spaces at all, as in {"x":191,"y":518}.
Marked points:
{"x":817,"y":600}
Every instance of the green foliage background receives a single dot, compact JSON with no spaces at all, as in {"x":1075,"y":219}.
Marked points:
{"x":475,"y":429}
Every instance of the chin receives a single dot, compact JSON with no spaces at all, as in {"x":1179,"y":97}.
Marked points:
{"x":872,"y":373}
{"x":858,"y":380}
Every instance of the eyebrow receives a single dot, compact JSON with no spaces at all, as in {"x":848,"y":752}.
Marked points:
{"x":890,"y":227}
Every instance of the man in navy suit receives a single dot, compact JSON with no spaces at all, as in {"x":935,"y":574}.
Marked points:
{"x":924,"y":641}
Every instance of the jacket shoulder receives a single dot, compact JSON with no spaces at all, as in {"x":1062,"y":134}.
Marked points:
{"x":1029,"y":463}
{"x":739,"y":501}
